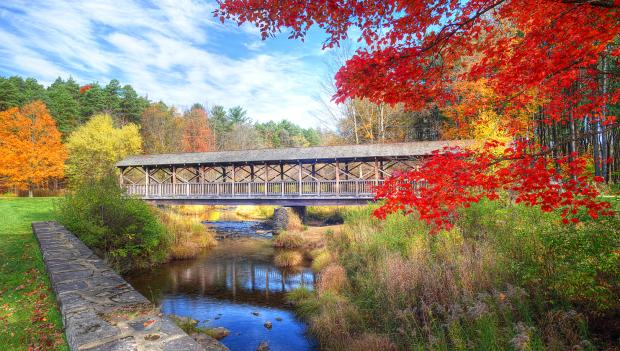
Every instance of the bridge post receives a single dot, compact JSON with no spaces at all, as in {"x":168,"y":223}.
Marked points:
{"x":121,"y":176}
{"x":266,"y":175}
{"x":299,"y":179}
{"x":337,"y":179}
{"x":174,"y":180}
{"x":146,"y":181}
{"x":376,"y":166}
{"x":233,"y":180}
{"x":201,"y":179}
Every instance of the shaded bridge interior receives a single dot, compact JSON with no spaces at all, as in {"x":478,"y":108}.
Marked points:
{"x":336,"y":175}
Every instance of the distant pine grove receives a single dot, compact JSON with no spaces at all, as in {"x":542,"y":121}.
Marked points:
{"x":72,"y":105}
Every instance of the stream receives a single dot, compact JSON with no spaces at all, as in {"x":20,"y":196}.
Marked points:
{"x":236,"y":286}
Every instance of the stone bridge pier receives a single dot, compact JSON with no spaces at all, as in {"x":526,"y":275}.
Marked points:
{"x":281,"y":216}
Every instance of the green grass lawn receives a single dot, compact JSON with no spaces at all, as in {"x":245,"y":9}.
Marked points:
{"x":29,"y":316}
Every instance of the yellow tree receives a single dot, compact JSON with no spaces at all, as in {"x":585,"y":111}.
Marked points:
{"x":474,"y":116}
{"x":95,"y":147}
{"x":30,"y":148}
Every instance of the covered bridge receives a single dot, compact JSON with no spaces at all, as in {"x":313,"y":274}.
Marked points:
{"x":325,"y":175}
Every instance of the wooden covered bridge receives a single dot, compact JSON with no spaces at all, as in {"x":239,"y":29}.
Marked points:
{"x":327,"y":175}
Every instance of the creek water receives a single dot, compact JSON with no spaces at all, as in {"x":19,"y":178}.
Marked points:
{"x":236,"y":286}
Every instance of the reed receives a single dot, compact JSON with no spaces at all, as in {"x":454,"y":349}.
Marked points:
{"x":288,"y":240}
{"x":288,"y":259}
{"x":190,"y":236}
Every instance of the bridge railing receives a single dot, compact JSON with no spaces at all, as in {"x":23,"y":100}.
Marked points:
{"x":342,"y":188}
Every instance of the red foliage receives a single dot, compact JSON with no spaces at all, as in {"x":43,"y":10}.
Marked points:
{"x":85,"y":88}
{"x":547,"y":52}
{"x":413,"y":47}
{"x":456,"y":178}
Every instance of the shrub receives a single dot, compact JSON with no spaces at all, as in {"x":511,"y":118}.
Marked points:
{"x":505,"y":277}
{"x":287,"y":259}
{"x":568,"y":264}
{"x":123,"y":230}
{"x":288,"y":240}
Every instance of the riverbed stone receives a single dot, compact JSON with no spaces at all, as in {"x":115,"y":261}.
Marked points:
{"x":100,"y":310}
{"x":263,"y":346}
{"x":217,"y":333}
{"x":208,"y":342}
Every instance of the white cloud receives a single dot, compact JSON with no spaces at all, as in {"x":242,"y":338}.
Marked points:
{"x":164,"y":49}
{"x":254,"y":45}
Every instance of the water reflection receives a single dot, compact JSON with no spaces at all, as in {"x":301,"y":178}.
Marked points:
{"x":228,"y":287}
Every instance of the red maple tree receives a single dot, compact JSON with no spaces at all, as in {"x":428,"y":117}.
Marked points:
{"x":543,"y":51}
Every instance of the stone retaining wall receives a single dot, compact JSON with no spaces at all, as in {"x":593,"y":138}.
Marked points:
{"x":100,"y":310}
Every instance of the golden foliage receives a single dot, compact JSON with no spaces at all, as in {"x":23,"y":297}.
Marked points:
{"x":95,"y":147}
{"x":473,"y":116}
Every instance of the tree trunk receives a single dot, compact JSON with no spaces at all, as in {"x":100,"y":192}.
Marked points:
{"x":357,"y":140}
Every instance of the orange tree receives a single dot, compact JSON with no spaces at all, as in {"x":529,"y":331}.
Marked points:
{"x":30,"y":147}
{"x":197,"y":136}
{"x":560,"y":53}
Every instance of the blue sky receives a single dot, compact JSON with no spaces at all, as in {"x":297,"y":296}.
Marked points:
{"x":171,"y":50}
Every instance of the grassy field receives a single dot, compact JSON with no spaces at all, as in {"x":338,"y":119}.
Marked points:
{"x":29,"y":316}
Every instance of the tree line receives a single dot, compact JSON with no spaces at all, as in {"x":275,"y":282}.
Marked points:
{"x":72,"y":105}
{"x":81,"y":131}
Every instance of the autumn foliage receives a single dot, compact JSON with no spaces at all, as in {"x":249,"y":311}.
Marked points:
{"x":197,"y":136}
{"x":85,"y":88}
{"x":454,"y":178}
{"x":30,"y":147}
{"x":498,"y":64}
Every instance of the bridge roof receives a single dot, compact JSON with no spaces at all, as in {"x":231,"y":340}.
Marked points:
{"x":289,"y":155}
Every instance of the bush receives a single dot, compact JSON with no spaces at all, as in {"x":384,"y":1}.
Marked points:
{"x":121,"y":229}
{"x":568,"y":264}
{"x":506,"y":277}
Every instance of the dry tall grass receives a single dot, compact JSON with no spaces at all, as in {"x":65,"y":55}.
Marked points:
{"x":190,"y":235}
{"x":390,"y":285}
{"x":288,"y":259}
{"x":295,"y":224}
{"x":332,"y":279}
{"x":288,"y":240}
